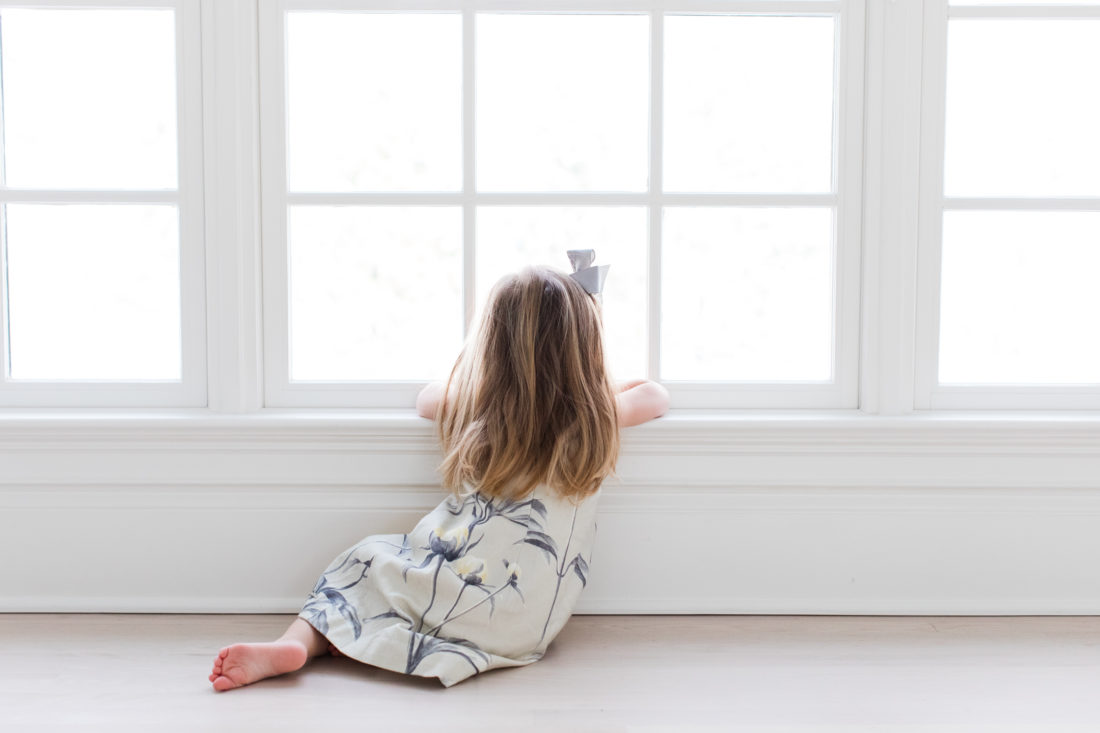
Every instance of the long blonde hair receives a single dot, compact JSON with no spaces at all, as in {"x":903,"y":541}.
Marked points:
{"x":529,"y":399}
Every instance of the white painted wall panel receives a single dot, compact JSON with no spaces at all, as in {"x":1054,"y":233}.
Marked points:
{"x":749,"y":516}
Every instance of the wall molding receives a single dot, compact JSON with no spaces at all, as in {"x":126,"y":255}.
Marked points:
{"x":747,"y":514}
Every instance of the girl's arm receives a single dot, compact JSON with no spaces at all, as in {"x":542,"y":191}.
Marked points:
{"x":427,"y":402}
{"x":640,"y":401}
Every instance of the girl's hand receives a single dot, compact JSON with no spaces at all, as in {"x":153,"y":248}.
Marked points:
{"x":427,"y":402}
{"x":640,"y":401}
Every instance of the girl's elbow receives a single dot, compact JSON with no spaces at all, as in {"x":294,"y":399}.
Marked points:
{"x":427,"y":402}
{"x":643,"y":403}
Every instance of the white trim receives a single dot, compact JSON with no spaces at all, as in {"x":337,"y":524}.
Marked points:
{"x":1023,"y":11}
{"x":890,"y":222}
{"x":469,"y":200}
{"x":87,"y":196}
{"x":550,"y":198}
{"x":842,"y":433}
{"x":933,"y":90}
{"x":768,"y":7}
{"x":847,"y":171}
{"x":755,"y":395}
{"x":802,"y":549}
{"x":92,"y":4}
{"x":1015,"y":396}
{"x":840,"y":391}
{"x":276,"y":306}
{"x":1021,"y":204}
{"x":784,"y":512}
{"x":654,"y":196}
{"x":930,"y":393}
{"x":191,"y":210}
{"x":352,"y":395}
{"x":190,"y":389}
{"x":231,"y":81}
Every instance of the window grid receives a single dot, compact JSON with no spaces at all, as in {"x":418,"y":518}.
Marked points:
{"x":843,"y":199}
{"x":928,"y":392}
{"x":190,"y":390}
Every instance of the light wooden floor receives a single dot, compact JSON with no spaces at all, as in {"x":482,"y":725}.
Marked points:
{"x":604,"y":673}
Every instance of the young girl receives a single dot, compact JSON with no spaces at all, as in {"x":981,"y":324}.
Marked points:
{"x":530,"y":428}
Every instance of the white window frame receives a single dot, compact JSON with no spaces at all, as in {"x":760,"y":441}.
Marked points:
{"x":840,"y":392}
{"x":190,"y":390}
{"x":901,"y":144}
{"x":929,"y":393}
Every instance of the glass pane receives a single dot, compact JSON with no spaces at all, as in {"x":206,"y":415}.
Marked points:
{"x":562,"y":102}
{"x":747,"y":294}
{"x":94,"y":291}
{"x":509,"y":238}
{"x":1023,"y":108}
{"x":375,"y":292}
{"x":1019,"y":301}
{"x":748,"y":104}
{"x":89,"y":98}
{"x":374,"y":102}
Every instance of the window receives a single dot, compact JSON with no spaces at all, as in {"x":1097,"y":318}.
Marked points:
{"x":412,"y":158}
{"x":403,"y":155}
{"x":100,"y":225}
{"x":1010,"y":222}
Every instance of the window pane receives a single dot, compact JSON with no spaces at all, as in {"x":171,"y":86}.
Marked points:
{"x":93,"y":291}
{"x":748,"y":104}
{"x":375,"y":292}
{"x":374,"y":102}
{"x":509,"y":238}
{"x":89,"y":98}
{"x":1023,"y":108}
{"x":562,"y":102}
{"x":747,"y":294}
{"x":1019,"y":299}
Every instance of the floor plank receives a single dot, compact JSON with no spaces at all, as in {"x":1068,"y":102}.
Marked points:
{"x":776,"y":674}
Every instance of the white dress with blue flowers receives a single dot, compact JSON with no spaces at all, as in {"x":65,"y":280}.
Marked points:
{"x":478,"y":584}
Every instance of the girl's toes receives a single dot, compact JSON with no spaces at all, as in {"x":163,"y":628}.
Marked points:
{"x":222,"y":684}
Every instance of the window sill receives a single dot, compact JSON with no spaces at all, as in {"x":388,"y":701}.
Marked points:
{"x":812,"y":430}
{"x":345,"y":450}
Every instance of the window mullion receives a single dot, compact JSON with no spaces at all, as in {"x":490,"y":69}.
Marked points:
{"x":231,"y":164}
{"x":469,"y":168}
{"x":891,"y":175}
{"x":931,"y":201}
{"x":656,"y":185}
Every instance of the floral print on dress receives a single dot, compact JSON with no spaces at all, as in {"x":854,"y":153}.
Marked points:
{"x":452,"y":598}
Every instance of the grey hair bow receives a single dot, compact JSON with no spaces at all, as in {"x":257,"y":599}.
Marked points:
{"x":590,"y":277}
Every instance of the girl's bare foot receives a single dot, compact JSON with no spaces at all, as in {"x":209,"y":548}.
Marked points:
{"x":243,"y":664}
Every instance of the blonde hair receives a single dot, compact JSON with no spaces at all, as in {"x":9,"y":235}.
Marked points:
{"x":529,"y":399}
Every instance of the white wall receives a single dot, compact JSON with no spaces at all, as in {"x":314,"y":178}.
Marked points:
{"x":779,"y":514}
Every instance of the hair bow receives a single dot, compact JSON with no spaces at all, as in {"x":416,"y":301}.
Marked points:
{"x":590,"y":277}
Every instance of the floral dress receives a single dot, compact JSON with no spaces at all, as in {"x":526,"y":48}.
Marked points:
{"x":478,"y":584}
